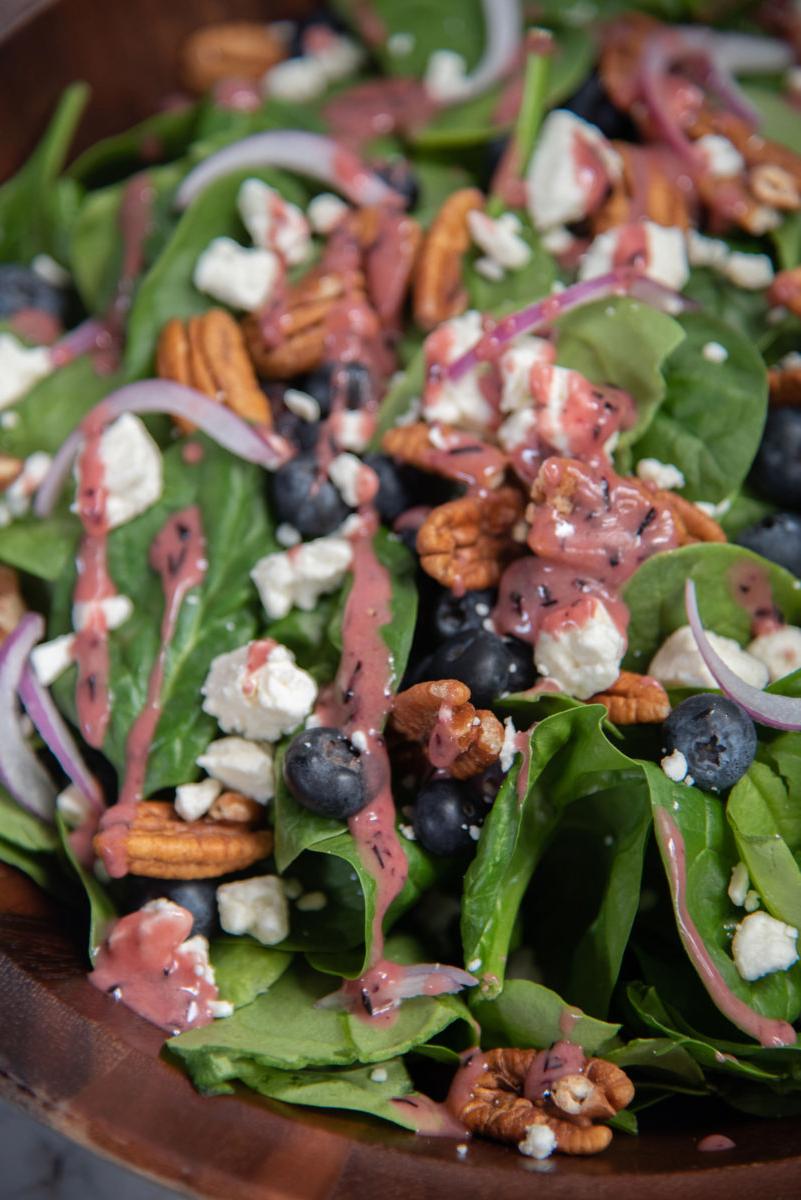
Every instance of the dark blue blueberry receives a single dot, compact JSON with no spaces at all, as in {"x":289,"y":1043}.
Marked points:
{"x":401,"y":178}
{"x":444,"y":812}
{"x":399,"y":487}
{"x":199,"y":896}
{"x":593,"y":104}
{"x":20,"y":288}
{"x":306,"y":500}
{"x":717,"y":738}
{"x":323,"y":770}
{"x":777,"y":538}
{"x":490,"y":665}
{"x":459,"y":614}
{"x":776,"y":472}
{"x":303,"y":434}
{"x":353,"y":377}
{"x":493,"y":153}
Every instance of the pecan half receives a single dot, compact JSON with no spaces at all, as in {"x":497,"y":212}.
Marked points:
{"x":634,"y":700}
{"x":229,"y":50}
{"x":465,"y":544}
{"x":158,"y":844}
{"x":692,"y":523}
{"x":443,"y":450}
{"x":441,"y":709}
{"x":391,"y":243}
{"x":774,"y":185}
{"x":10,"y":469}
{"x":12,"y":606}
{"x":438,"y":289}
{"x":233,"y":806}
{"x":498,"y":1108}
{"x":208,"y":353}
{"x":785,"y":387}
{"x":647,"y":187}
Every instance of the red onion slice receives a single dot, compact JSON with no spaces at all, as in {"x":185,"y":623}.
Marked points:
{"x":310,"y":154}
{"x":267,"y":449}
{"x":503,"y":34}
{"x":625,"y":281}
{"x":780,"y":712}
{"x":402,"y":983}
{"x":57,"y":737}
{"x":21,"y":773}
{"x":740,"y":53}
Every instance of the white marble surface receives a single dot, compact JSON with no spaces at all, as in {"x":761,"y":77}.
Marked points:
{"x":38,"y":1164}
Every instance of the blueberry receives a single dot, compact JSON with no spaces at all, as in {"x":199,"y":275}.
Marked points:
{"x":323,"y":770}
{"x":20,"y":288}
{"x":303,"y":434}
{"x":493,"y":153}
{"x":303,"y":499}
{"x":593,"y":104}
{"x":199,"y":896}
{"x":776,"y":472}
{"x":490,"y":665}
{"x":717,"y":738}
{"x":397,"y":172}
{"x":398,"y":486}
{"x":459,"y":614}
{"x":354,"y":377}
{"x":777,"y":538}
{"x":444,"y":812}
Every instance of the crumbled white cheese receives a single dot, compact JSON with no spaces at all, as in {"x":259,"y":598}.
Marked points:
{"x":273,"y":223}
{"x":359,"y":740}
{"x":73,"y":806}
{"x":780,"y":651}
{"x":489,"y":269}
{"x":221,"y":1008}
{"x":116,"y":611}
{"x":51,"y":659}
{"x":353,"y":429}
{"x":738,"y":884}
{"x":715,"y":353}
{"x":662,"y":475}
{"x":713,"y":510}
{"x":237,"y":276}
{"x":300,"y":577}
{"x":445,"y":76}
{"x":287,"y":535}
{"x":293,"y":888}
{"x":515,"y":365}
{"x":242,"y":766}
{"x":539,"y":1142}
{"x":664,"y":257}
{"x":474,"y":965}
{"x":722,"y":157}
{"x":296,"y":80}
{"x":500,"y":239}
{"x":132,"y":470}
{"x":197,"y":949}
{"x":18,"y":496}
{"x":751,"y":271}
{"x":407,"y":831}
{"x":20,"y":367}
{"x":705,"y":251}
{"x":337,"y":55}
{"x":461,"y":403}
{"x":311,"y":902}
{"x":763,"y":945}
{"x":678,"y":662}
{"x":346,"y":472}
{"x":583,"y":653}
{"x":257,"y":906}
{"x":751,"y":903}
{"x":556,"y":189}
{"x":379,"y":1075}
{"x":193,"y":800}
{"x":674,"y":766}
{"x":509,"y":747}
{"x":262,"y":703}
{"x":516,"y":430}
{"x":50,"y":271}
{"x":302,"y":404}
{"x":325,"y":212}
{"x":558,"y":241}
{"x":400,"y":44}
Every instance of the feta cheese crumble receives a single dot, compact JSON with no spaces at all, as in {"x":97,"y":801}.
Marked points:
{"x":235,"y":275}
{"x":780,"y":651}
{"x":257,"y":906}
{"x":258,"y":691}
{"x":762,"y":945}
{"x":674,"y":766}
{"x":73,"y":806}
{"x":539,"y":1142}
{"x":296,"y":80}
{"x":20,"y":367}
{"x":739,"y":884}
{"x":349,"y":476}
{"x":132,"y":470}
{"x":715,"y":353}
{"x":663,"y":257}
{"x":302,"y":405}
{"x":678,"y":661}
{"x":509,"y":747}
{"x":116,"y":611}
{"x":379,"y":1075}
{"x":297,"y":579}
{"x":581,"y":648}
{"x":274,"y":224}
{"x":461,"y":403}
{"x":51,"y":659}
{"x":445,"y":75}
{"x":500,"y":239}
{"x":556,"y":181}
{"x":16,"y":500}
{"x":311,"y":902}
{"x":193,"y":800}
{"x":516,"y":365}
{"x":723,"y":159}
{"x":661,"y":475}
{"x":325,"y":212}
{"x":241,"y":765}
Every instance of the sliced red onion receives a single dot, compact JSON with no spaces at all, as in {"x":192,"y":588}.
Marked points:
{"x":310,"y":154}
{"x":83,"y":339}
{"x":503,"y":34}
{"x":267,"y":449}
{"x":780,"y":712}
{"x":57,"y":737}
{"x":740,"y":53}
{"x":661,"y":51}
{"x":625,"y":281}
{"x":21,"y":773}
{"x":407,"y":982}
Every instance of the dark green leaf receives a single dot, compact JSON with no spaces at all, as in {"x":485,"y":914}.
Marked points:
{"x":400,"y":397}
{"x":517,"y":288}
{"x":101,"y":909}
{"x":50,"y":411}
{"x":41,"y":548}
{"x":22,"y":829}
{"x":758,"y":809}
{"x":244,"y":969}
{"x":787,"y":240}
{"x":355,"y":1089}
{"x":778,"y":119}
{"x":158,"y":138}
{"x":527,"y":1014}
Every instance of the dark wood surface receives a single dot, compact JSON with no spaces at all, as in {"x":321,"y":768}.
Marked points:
{"x":83,"y":1064}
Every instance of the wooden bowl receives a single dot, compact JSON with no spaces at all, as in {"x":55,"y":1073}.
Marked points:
{"x":72,"y":1057}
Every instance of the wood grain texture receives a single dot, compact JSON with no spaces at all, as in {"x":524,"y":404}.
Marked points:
{"x":75,"y":1059}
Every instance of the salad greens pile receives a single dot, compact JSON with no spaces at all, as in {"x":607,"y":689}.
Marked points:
{"x":567,"y":897}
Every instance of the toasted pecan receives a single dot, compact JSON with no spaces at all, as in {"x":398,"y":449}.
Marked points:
{"x":692,"y":523}
{"x":647,"y":187}
{"x":634,"y":700}
{"x":233,"y":806}
{"x":785,"y":387}
{"x":158,"y":844}
{"x":444,"y":450}
{"x":208,"y":353}
{"x":441,"y":709}
{"x":466,"y":543}
{"x":12,"y":606}
{"x":10,"y":469}
{"x":229,"y":50}
{"x":438,"y":289}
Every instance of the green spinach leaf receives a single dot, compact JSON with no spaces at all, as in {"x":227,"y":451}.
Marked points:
{"x":101,"y":908}
{"x":517,"y":288}
{"x":244,"y":969}
{"x":528,"y":1014}
{"x":158,"y":138}
{"x":49,"y":412}
{"x":756,"y":812}
{"x":40,"y":547}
